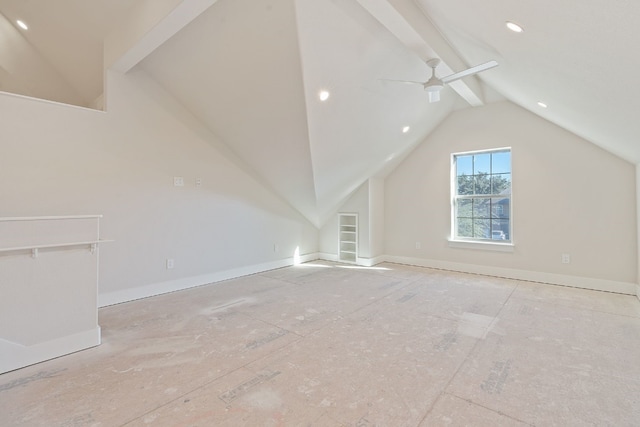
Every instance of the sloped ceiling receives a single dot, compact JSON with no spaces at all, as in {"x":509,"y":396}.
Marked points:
{"x":255,"y":83}
{"x":251,"y":72}
{"x":576,"y":56}
{"x":243,"y":80}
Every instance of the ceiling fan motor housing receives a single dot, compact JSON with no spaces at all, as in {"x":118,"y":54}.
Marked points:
{"x":433,"y":85}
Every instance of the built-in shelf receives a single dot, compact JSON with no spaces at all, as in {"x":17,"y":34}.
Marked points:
{"x":348,"y":231}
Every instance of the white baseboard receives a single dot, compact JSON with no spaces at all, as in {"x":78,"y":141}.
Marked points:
{"x":365,"y":262}
{"x":16,"y":356}
{"x":531,"y":276}
{"x":125,"y":295}
{"x":370,"y":262}
{"x":328,"y":257}
{"x":132,"y":294}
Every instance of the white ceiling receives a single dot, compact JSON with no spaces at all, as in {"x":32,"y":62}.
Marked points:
{"x":578,"y":56}
{"x":251,"y":72}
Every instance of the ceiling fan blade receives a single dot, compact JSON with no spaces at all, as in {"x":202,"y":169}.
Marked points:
{"x":469,"y":72}
{"x":402,"y":81}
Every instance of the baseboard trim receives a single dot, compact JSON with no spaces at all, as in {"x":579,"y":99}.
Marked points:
{"x":126,"y":295}
{"x":328,"y":257}
{"x":370,"y":262}
{"x":132,"y":294}
{"x":365,"y":262}
{"x":626,"y":288}
{"x":16,"y":356}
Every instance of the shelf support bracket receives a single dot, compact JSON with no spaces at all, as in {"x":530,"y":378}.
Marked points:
{"x":34,"y":253}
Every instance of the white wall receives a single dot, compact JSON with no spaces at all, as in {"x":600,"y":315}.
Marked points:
{"x":328,"y":238}
{"x":569,"y":196}
{"x":62,"y":160}
{"x":638,"y":222}
{"x":376,"y":217}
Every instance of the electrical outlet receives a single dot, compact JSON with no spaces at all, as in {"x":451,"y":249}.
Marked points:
{"x":418,"y":245}
{"x":169,"y":263}
{"x":198,"y":182}
{"x":178,"y":181}
{"x":566,"y":258}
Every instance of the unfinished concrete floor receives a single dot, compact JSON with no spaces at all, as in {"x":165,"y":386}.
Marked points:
{"x":324,"y":344}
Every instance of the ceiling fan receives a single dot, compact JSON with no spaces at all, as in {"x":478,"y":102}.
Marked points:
{"x":435,"y":84}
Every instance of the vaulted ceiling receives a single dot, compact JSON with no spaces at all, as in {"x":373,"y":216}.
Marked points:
{"x":252,"y":71}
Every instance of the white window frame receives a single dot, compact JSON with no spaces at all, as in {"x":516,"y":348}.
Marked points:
{"x":475,"y":243}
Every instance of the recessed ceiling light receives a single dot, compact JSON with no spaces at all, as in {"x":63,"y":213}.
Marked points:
{"x":514,"y":27}
{"x":323,"y":95}
{"x":542,"y":104}
{"x":22,"y":25}
{"x":405,"y":129}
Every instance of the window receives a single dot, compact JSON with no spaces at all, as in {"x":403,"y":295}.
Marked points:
{"x":482,"y":196}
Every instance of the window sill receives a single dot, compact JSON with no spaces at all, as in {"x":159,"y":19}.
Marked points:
{"x":486,"y":246}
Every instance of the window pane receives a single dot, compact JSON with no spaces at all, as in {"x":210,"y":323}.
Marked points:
{"x":501,"y":162}
{"x":464,"y":209}
{"x":481,"y":163}
{"x":464,"y":165}
{"x":500,"y":208}
{"x":465,"y":227}
{"x":482,"y":184}
{"x":465,"y":185}
{"x":481,"y":228}
{"x":500,"y":229}
{"x":481,"y":208}
{"x":501,"y":183}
